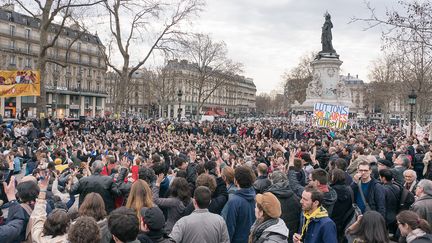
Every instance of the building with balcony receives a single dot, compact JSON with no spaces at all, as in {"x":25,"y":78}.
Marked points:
{"x":236,"y":97}
{"x":78,"y":89}
{"x":357,"y":88}
{"x":156,"y":94}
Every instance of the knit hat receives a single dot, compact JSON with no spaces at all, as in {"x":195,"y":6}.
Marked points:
{"x":270,"y":204}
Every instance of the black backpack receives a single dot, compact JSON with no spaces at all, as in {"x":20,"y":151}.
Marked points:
{"x":406,"y":198}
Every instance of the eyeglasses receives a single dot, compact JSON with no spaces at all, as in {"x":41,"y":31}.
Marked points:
{"x":363,"y":171}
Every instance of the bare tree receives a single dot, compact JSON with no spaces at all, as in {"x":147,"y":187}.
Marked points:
{"x":143,"y":17}
{"x":162,"y":87}
{"x":53,"y":15}
{"x":407,"y":33}
{"x":297,"y":79}
{"x":211,"y":67}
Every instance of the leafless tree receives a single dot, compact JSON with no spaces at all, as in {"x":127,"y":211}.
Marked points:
{"x":162,"y":87}
{"x":211,"y":67}
{"x":151,"y":22}
{"x":407,"y":34}
{"x":297,"y":79}
{"x":53,"y":16}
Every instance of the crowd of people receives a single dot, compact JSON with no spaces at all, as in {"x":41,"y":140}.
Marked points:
{"x":130,"y":180}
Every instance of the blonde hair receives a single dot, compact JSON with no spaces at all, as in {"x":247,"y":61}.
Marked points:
{"x":140,"y":196}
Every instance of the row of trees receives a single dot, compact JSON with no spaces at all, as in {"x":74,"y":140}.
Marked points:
{"x":406,"y":63}
{"x":133,"y":25}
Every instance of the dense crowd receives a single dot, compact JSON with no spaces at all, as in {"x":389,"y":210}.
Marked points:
{"x":130,"y":180}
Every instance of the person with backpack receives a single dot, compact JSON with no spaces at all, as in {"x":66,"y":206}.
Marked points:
{"x":392,"y":199}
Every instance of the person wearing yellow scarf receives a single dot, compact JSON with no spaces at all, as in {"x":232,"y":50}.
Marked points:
{"x":320,"y":212}
{"x":316,"y":226}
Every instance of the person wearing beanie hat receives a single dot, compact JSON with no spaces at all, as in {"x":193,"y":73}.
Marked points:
{"x":152,"y":222}
{"x":268,"y":227}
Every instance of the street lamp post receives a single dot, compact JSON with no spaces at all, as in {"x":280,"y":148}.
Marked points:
{"x":56,"y":75}
{"x":179,"y":110}
{"x":412,"y":97}
{"x":79,"y":79}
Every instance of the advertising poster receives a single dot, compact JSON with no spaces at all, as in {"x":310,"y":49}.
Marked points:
{"x":19,"y":83}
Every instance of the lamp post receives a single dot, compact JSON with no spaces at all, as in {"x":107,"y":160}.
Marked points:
{"x":79,"y":79}
{"x":412,"y":97}
{"x":56,"y":75}
{"x":179,"y":110}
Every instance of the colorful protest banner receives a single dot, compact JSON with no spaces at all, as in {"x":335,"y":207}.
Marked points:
{"x":19,"y":83}
{"x":331,"y":116}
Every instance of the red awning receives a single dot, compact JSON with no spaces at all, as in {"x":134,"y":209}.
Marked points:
{"x":221,"y":112}
{"x":210,"y":113}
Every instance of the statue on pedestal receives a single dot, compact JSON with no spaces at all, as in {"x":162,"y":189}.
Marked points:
{"x":326,"y":39}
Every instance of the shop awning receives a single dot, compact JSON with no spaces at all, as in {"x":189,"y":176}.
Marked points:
{"x":221,"y":112}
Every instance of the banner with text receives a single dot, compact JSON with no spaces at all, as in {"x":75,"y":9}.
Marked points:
{"x":331,"y":116}
{"x":19,"y":83}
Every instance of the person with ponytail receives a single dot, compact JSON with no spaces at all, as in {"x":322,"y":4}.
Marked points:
{"x":414,"y":228}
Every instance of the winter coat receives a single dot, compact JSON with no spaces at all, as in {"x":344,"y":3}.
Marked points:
{"x":103,"y":185}
{"x":239,"y":214}
{"x":375,"y":196}
{"x":174,"y":206}
{"x":330,"y":198}
{"x":190,"y":228}
{"x":261,"y":184}
{"x":290,"y":205}
{"x":104,"y":231}
{"x":277,"y":233}
{"x":427,"y":238}
{"x":320,"y":230}
{"x":343,"y":210}
{"x":392,"y":201}
{"x":423,"y":207}
{"x":14,"y":225}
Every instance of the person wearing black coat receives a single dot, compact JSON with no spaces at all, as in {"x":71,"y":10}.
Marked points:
{"x":392,"y":199}
{"x":103,"y":185}
{"x":290,"y":203}
{"x":262,"y":182}
{"x":344,"y":210}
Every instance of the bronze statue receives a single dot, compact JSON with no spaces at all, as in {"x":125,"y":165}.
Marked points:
{"x":326,"y":36}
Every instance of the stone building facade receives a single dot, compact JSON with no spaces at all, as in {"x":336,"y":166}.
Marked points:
{"x":72,"y":91}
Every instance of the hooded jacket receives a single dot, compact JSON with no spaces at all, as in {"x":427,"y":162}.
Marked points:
{"x":239,"y":214}
{"x":274,"y":234}
{"x":330,"y":198}
{"x":290,"y":205}
{"x":343,"y":209}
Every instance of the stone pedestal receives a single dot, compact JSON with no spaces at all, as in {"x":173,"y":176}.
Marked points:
{"x":326,"y":85}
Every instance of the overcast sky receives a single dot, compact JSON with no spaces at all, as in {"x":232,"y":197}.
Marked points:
{"x":269,"y":36}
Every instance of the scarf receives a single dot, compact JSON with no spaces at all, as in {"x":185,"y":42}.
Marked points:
{"x":258,"y":229}
{"x":320,"y":212}
{"x":414,"y":235}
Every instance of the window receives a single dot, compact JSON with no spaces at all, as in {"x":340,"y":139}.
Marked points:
{"x":12,"y":30}
{"x":12,"y":44}
{"x":79,"y":47}
{"x":28,"y":99}
{"x":68,"y":83}
{"x":28,"y":62}
{"x":79,"y":58}
{"x":98,"y":86}
{"x":28,"y":48}
{"x":12,"y":60}
{"x":27,"y":33}
{"x":89,"y":84}
{"x":89,"y":72}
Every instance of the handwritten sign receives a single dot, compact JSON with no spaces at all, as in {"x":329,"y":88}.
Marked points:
{"x":331,"y":116}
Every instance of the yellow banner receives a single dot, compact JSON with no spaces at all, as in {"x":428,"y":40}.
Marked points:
{"x":19,"y":83}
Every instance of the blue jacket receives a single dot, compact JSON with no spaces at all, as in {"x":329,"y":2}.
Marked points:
{"x":321,"y":230}
{"x":239,"y":214}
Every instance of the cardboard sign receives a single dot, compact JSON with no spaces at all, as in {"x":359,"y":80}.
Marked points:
{"x":19,"y":83}
{"x":331,"y":116}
